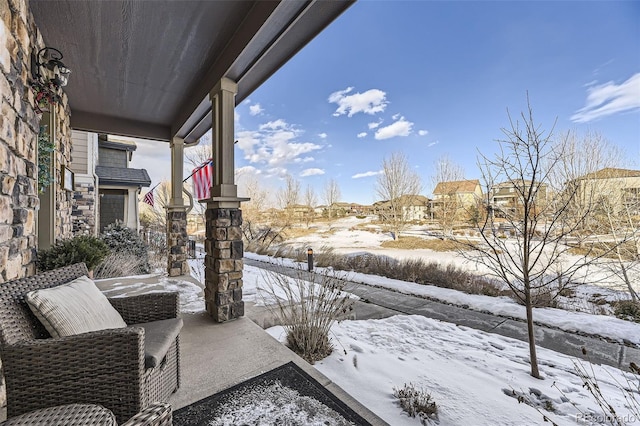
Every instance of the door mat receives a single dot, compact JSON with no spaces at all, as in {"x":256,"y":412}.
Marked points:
{"x":283,"y":396}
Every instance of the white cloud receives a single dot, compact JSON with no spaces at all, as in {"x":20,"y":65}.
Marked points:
{"x":395,"y":116}
{"x":304,"y":160}
{"x":273,"y":125}
{"x":322,"y":135}
{"x":374,"y":125}
{"x":402,"y":127}
{"x":247,"y":170}
{"x":255,"y":109}
{"x":311,"y":172}
{"x":370,"y":102}
{"x":280,"y":172}
{"x":366,"y":174}
{"x":423,"y":132}
{"x":275,"y":144}
{"x":610,"y":98}
{"x":434,"y":143}
{"x":362,"y":134}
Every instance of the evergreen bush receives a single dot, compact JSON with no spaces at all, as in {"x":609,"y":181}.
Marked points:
{"x":82,"y":248}
{"x":122,"y":239}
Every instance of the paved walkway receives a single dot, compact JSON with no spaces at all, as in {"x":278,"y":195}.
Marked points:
{"x":381,"y":303}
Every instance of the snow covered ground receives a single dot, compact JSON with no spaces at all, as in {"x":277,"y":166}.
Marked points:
{"x":471,"y":375}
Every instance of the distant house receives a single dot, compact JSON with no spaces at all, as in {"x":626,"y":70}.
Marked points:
{"x":412,"y":208}
{"x":506,"y":197}
{"x":620,"y":187}
{"x":106,"y":189}
{"x":299,"y":211}
{"x":456,"y":198}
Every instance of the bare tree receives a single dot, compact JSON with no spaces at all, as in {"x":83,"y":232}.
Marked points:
{"x":540,"y":217}
{"x":447,"y":182}
{"x":288,"y":196}
{"x":331,"y":195}
{"x":154,"y":218}
{"x":200,"y":153}
{"x":310,"y":201}
{"x":249,"y":186}
{"x":397,"y":185}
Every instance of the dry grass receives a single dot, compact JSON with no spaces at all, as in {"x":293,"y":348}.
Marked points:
{"x":435,"y":244}
{"x":119,"y":264}
{"x":412,"y":270}
{"x":417,"y":402}
{"x":627,"y":249}
{"x":307,"y":305}
{"x":298,"y":232}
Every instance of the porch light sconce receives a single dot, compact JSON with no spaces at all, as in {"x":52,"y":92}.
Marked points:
{"x":48,"y":69}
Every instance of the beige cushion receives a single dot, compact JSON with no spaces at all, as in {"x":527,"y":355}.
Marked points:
{"x":73,"y":308}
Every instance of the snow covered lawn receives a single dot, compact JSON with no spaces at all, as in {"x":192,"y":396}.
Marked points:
{"x":470,"y":374}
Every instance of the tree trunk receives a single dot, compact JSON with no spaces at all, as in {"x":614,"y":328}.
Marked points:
{"x":533,"y":358}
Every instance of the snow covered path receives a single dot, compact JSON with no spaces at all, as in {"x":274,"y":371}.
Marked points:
{"x":566,"y":342}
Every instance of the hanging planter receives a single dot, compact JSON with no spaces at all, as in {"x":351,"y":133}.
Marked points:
{"x":45,"y":95}
{"x":48,"y":76}
{"x":45,"y":150}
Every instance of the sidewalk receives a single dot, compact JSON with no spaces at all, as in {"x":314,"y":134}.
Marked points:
{"x":381,"y":303}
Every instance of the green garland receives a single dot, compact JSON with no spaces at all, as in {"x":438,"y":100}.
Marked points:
{"x":45,"y":148}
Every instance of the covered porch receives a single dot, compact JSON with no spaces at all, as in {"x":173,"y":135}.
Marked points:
{"x":171,"y":71}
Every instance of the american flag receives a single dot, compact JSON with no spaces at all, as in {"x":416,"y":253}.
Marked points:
{"x":202,"y":180}
{"x":148,"y":198}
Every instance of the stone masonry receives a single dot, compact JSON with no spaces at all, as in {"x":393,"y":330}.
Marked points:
{"x":84,"y":209}
{"x":223,"y":264}
{"x":177,"y":241}
{"x":19,"y":126}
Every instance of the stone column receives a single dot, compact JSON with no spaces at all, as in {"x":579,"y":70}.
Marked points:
{"x":223,"y":245}
{"x":223,"y":263}
{"x":177,"y":238}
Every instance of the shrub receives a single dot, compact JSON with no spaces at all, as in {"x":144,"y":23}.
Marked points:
{"x":82,"y":248}
{"x":417,"y":402}
{"x":627,"y":310}
{"x":306,"y":305}
{"x":122,"y":239}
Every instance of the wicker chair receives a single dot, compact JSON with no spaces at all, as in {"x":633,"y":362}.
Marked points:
{"x":104,"y":367}
{"x":156,"y":414}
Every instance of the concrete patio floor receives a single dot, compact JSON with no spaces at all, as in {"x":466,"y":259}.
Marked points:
{"x":214,"y":356}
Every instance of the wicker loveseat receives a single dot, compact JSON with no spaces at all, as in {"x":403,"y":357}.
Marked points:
{"x":104,"y":367}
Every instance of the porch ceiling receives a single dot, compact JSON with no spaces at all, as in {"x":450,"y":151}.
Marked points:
{"x":145,"y":68}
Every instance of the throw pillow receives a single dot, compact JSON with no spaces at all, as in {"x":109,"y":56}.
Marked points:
{"x":73,"y":308}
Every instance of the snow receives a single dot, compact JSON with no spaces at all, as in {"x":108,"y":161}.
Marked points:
{"x":601,"y":325}
{"x":473,"y":376}
{"x":274,"y":404}
{"x":469,"y":373}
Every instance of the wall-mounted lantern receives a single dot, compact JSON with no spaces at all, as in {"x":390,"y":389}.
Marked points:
{"x":48,"y":75}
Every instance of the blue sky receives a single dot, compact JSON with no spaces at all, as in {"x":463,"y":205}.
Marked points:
{"x":434,"y":78}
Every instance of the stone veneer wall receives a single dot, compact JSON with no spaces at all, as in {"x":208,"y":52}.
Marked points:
{"x":19,"y":126}
{"x":177,"y":239}
{"x":84,"y":208}
{"x":223,"y":264}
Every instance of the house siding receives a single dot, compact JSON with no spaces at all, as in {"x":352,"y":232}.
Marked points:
{"x":19,"y":126}
{"x":112,"y":158}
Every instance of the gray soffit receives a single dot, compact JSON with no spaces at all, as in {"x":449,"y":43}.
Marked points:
{"x":122,"y":176}
{"x":145,"y":68}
